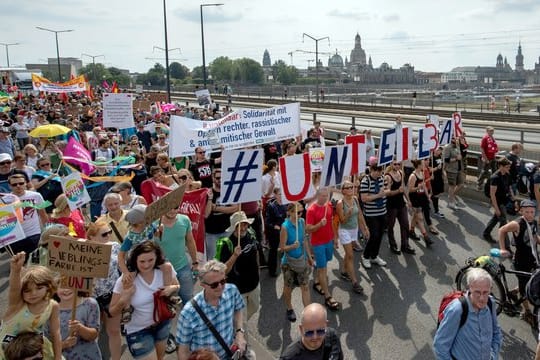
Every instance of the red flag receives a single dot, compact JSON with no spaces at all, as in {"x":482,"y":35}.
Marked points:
{"x":114,"y":88}
{"x":151,"y":190}
{"x":193,"y":205}
{"x":90,"y":92}
{"x":64,"y":98}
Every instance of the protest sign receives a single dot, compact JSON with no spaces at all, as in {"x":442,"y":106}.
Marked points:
{"x":316,"y":157}
{"x":142,"y":105}
{"x":163,"y":205}
{"x":404,"y":144}
{"x":71,"y":257}
{"x":295,"y":172}
{"x":242,"y":128}
{"x":118,"y":110}
{"x":139,"y":89}
{"x":193,"y":205}
{"x":76,"y":282}
{"x":337,"y":164}
{"x":10,"y":227}
{"x":458,"y":127}
{"x":75,"y":191}
{"x":241,"y":177}
{"x":359,"y":153}
{"x":203,"y":97}
{"x":153,"y":97}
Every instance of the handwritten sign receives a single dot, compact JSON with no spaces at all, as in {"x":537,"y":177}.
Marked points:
{"x":163,"y":205}
{"x":76,"y":282}
{"x":118,"y":110}
{"x":10,"y":228}
{"x":75,"y":191}
{"x":79,"y":258}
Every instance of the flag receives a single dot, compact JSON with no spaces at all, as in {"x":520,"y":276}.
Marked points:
{"x":193,"y":205}
{"x":114,"y":88}
{"x":105,"y":85}
{"x":151,"y":190}
{"x":79,"y":155}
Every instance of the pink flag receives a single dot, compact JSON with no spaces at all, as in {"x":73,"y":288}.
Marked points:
{"x":167,"y":107}
{"x":76,"y":154}
{"x":105,"y":85}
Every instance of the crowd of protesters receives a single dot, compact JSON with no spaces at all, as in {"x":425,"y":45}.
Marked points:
{"x":299,"y":238}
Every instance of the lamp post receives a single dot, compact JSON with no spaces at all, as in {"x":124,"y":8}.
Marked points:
{"x":93,"y":65}
{"x":202,"y":40}
{"x":316,"y":60}
{"x":7,"y":50}
{"x":57,"y":49}
{"x":167,"y":54}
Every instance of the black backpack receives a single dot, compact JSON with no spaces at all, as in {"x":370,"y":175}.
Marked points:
{"x":525,"y":180}
{"x":532,"y":290}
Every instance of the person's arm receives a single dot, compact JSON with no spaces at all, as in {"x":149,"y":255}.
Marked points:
{"x":447,"y":331}
{"x":511,"y":227}
{"x":192,"y":250}
{"x":14,"y":294}
{"x":84,"y":332}
{"x":122,"y":299}
{"x":496,"y":339}
{"x":209,"y":204}
{"x":341,"y":213}
{"x":226,"y":209}
{"x":283,"y":241}
{"x":239,"y":338}
{"x":43,"y":217}
{"x":493,"y":198}
{"x":182,"y":352}
{"x":39,"y":183}
{"x":54,"y":328}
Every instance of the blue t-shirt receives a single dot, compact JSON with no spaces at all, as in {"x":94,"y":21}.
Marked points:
{"x":133,"y":238}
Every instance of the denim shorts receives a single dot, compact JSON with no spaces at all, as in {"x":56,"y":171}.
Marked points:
{"x":142,"y":342}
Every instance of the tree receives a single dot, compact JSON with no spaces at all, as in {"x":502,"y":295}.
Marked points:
{"x":285,"y":74}
{"x":197,"y":72}
{"x":248,"y":71}
{"x":95,"y":74}
{"x":121,"y":78}
{"x":178,"y":71}
{"x":155,"y":76}
{"x":221,"y":69}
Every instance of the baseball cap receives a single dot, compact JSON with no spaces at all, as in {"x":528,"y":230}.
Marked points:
{"x":5,"y":157}
{"x":136,"y":214}
{"x":527,"y":203}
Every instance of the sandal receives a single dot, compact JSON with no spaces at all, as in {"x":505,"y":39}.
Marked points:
{"x":331,"y":303}
{"x":433,"y":230}
{"x":317,"y":287}
{"x":357,"y":288}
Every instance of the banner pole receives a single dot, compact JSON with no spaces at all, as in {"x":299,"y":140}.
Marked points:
{"x":238,"y":236}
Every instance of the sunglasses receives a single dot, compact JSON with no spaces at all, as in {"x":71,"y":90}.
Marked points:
{"x":214,"y":285}
{"x":347,"y":187}
{"x":201,"y":152}
{"x":105,"y":234}
{"x":47,"y":164}
{"x":311,"y":333}
{"x":5,"y":163}
{"x":18,"y":184}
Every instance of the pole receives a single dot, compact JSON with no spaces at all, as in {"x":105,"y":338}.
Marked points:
{"x":202,"y":43}
{"x":58,"y":57}
{"x":167,"y":53}
{"x":316,"y":62}
{"x":7,"y":55}
{"x":94,"y":70}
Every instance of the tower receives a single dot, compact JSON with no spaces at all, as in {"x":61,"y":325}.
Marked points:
{"x":266,"y":59}
{"x":519,"y":59}
{"x":500,"y":64}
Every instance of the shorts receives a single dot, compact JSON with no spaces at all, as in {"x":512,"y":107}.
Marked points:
{"x":143,"y":342}
{"x":455,"y":179}
{"x":292,"y":279}
{"x":323,"y":254}
{"x":347,"y":236}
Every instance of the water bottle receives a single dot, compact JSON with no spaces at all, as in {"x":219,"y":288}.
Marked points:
{"x":496,"y":253}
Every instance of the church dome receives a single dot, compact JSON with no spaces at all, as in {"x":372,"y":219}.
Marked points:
{"x":335,"y":61}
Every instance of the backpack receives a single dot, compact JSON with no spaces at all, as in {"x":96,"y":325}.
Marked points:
{"x":525,"y":180}
{"x":457,"y":294}
{"x":532,"y":290}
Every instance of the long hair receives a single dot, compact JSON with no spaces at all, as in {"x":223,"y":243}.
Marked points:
{"x":144,"y":248}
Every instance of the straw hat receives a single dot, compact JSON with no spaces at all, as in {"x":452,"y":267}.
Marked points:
{"x":237,"y":218}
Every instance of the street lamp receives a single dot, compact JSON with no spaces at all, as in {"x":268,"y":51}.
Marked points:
{"x":167,"y":53}
{"x":57,"y":49}
{"x":316,"y":60}
{"x":7,"y":50}
{"x":93,"y":65}
{"x":202,"y":40}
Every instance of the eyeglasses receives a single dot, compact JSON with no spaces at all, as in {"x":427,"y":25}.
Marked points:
{"x":200,"y":152}
{"x":347,"y":187}
{"x":47,"y":164}
{"x":396,"y":164}
{"x":5,"y":163}
{"x":311,"y":333}
{"x":105,"y":234}
{"x":214,"y":285}
{"x":17,"y":184}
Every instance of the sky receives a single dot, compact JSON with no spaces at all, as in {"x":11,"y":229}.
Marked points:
{"x":430,"y":35}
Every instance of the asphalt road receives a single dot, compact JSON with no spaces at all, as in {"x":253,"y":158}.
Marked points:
{"x":396,"y":318}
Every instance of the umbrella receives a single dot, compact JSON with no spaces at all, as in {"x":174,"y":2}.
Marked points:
{"x":49,"y":131}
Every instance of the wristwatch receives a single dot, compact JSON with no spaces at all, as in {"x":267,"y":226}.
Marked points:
{"x":241,"y":330}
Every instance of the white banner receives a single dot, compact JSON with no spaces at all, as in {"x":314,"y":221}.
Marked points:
{"x":75,"y":190}
{"x":241,"y":176}
{"x":242,"y":128}
{"x":118,"y":111}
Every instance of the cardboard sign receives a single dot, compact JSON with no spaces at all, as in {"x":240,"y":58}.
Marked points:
{"x":118,"y":110}
{"x":142,"y":105}
{"x":10,"y":227}
{"x":75,"y":191}
{"x":162,"y":206}
{"x":79,"y":258}
{"x":153,"y":97}
{"x":77,"y":282}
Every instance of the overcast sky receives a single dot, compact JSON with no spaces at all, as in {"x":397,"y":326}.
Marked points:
{"x":431,"y":35}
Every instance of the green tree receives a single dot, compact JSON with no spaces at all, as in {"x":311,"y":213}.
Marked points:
{"x":121,"y":78}
{"x":248,"y":71}
{"x":197,"y":72}
{"x":95,"y":74}
{"x":178,"y":71}
{"x":221,"y":69}
{"x":155,"y":76}
{"x":285,"y":74}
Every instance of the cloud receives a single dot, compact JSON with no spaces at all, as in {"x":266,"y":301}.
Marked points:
{"x":354,"y":15}
{"x":391,"y":18}
{"x":518,"y":6}
{"x":400,"y":36}
{"x":212,"y":14}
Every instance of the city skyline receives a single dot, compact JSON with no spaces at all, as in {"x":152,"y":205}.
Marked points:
{"x":431,"y":37}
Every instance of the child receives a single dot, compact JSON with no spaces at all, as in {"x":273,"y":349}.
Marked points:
{"x":80,"y":336}
{"x":26,"y":345}
{"x":30,"y":306}
{"x":137,"y":234}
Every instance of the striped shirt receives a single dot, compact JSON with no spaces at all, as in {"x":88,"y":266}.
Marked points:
{"x":368,"y":185}
{"x":192,"y":331}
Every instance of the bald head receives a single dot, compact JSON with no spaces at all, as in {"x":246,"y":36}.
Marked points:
{"x":313,"y":312}
{"x":313,"y":326}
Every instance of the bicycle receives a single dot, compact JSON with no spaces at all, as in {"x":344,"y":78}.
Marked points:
{"x":505,"y":299}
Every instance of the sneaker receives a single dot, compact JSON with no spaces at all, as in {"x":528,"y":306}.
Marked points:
{"x":452,"y":206}
{"x":357,"y":288}
{"x":395,"y":250}
{"x":379,"y":261}
{"x":345,"y":276}
{"x":171,"y":346}
{"x":408,"y":250}
{"x":439,"y":215}
{"x":366,"y":263}
{"x":291,"y":316}
{"x":413,"y":235}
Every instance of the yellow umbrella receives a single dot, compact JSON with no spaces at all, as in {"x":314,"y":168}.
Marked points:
{"x":49,"y":131}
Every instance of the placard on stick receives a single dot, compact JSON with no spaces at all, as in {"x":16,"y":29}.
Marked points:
{"x":79,"y":258}
{"x":161,"y":206}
